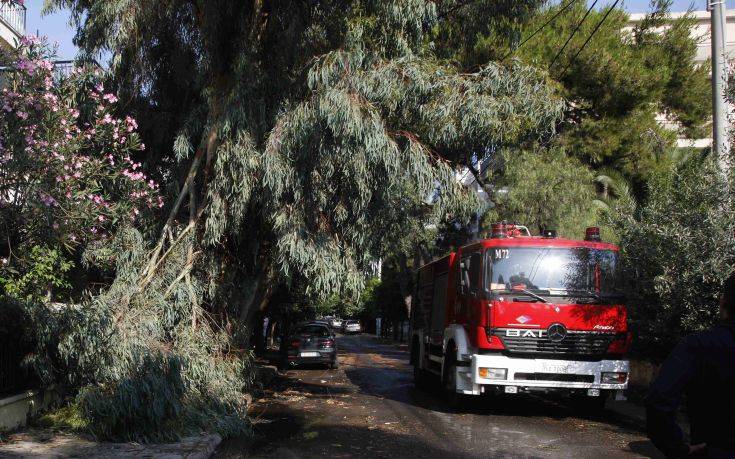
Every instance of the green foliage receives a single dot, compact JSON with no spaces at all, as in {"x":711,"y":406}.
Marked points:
{"x":67,"y":417}
{"x":679,"y":246}
{"x":43,"y":271}
{"x":545,"y":189}
{"x":618,"y":84}
{"x":383,"y":299}
{"x":149,"y":363}
{"x":324,"y":142}
{"x":67,"y":175}
{"x":341,"y":306}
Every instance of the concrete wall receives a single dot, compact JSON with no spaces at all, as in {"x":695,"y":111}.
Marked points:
{"x":17,"y":409}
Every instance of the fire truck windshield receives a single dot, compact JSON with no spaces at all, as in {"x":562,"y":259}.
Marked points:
{"x":544,"y":271}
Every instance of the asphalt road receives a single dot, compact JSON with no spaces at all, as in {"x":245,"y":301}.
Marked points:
{"x":370,"y":408}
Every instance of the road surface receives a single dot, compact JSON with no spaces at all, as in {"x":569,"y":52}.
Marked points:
{"x":370,"y":408}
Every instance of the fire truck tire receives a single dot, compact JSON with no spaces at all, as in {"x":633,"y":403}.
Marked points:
{"x":419,"y":374}
{"x":419,"y":377}
{"x":454,"y":399}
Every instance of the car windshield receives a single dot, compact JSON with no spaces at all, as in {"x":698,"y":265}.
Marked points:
{"x":553,"y":271}
{"x":318,"y":330}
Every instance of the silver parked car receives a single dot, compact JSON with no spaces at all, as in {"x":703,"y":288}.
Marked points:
{"x":352,"y":326}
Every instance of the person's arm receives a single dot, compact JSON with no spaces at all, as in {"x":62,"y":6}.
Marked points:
{"x":664,"y":399}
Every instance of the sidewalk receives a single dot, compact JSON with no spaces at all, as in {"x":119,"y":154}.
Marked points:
{"x":44,"y":443}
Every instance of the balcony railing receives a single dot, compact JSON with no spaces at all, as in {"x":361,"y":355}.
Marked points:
{"x":13,"y":15}
{"x":63,"y":69}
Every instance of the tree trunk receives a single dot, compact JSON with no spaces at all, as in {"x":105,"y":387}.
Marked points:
{"x":404,"y":282}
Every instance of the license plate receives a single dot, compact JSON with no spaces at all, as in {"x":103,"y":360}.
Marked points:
{"x":309,"y":354}
{"x":555,"y":369}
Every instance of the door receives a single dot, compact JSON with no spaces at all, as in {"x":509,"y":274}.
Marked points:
{"x":469,"y":302}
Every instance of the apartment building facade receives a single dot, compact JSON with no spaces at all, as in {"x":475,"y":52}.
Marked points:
{"x":12,"y":23}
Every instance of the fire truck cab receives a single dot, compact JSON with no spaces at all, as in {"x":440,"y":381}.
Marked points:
{"x":519,"y":313}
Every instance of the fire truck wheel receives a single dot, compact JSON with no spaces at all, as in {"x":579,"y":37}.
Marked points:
{"x":419,"y":377}
{"x":454,"y":399}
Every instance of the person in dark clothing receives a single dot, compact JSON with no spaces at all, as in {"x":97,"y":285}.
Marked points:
{"x":702,"y":366}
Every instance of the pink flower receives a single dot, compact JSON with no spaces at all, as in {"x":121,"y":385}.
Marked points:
{"x":47,"y":200}
{"x":132,"y":124}
{"x":111,"y":98}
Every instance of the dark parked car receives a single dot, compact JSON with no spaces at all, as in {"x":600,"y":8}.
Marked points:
{"x":311,"y":343}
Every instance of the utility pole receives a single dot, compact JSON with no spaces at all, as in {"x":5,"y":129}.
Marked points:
{"x":720,"y":144}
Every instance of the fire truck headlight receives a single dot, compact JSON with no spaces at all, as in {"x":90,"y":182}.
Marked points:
{"x":614,"y":378}
{"x":493,"y":373}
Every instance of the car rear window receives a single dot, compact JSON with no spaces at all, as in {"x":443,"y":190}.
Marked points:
{"x":319,"y":330}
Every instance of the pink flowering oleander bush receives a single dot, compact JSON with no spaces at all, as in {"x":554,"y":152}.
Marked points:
{"x":67,"y":170}
{"x":142,"y":359}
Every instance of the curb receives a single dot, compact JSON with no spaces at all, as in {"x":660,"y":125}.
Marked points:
{"x":208,"y":445}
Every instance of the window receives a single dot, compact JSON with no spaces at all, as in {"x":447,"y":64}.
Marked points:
{"x":317,"y":330}
{"x":470,"y":271}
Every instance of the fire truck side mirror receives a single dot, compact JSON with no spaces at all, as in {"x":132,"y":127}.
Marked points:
{"x":465,"y":281}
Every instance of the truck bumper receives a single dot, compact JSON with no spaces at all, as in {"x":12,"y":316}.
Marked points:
{"x":528,"y":374}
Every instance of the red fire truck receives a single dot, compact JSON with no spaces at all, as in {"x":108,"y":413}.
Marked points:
{"x":519,"y":313}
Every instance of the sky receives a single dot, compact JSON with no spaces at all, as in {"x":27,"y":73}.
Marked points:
{"x":56,"y":26}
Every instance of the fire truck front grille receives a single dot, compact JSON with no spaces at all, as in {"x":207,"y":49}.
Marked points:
{"x":554,"y":377}
{"x":583,"y":344}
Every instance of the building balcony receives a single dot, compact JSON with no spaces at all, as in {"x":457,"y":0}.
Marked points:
{"x":12,"y":23}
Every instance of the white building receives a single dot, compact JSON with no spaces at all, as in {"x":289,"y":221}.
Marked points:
{"x":12,"y":23}
{"x":701,"y":32}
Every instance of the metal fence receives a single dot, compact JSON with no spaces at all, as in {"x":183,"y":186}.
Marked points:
{"x":63,"y":69}
{"x":13,"y":15}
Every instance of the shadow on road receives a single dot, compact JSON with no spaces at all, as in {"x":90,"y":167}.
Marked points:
{"x":285,"y":433}
{"x":384,"y":372}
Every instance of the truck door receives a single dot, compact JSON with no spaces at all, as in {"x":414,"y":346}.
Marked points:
{"x":470,"y":291}
{"x":438,"y":314}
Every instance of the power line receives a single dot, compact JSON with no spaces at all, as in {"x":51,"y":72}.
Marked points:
{"x":594,"y":31}
{"x":573,"y":33}
{"x":539,"y":29}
